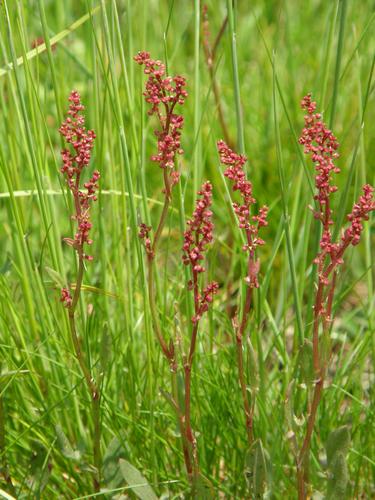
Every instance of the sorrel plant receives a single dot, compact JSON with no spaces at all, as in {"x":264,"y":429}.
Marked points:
{"x":76,"y":158}
{"x":322,"y":146}
{"x":163,"y":93}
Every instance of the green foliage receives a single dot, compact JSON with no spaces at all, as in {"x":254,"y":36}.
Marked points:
{"x":270,"y":55}
{"x":337,"y":447}
{"x":256,"y":469}
{"x":306,"y":362}
{"x":112,"y":474}
{"x":136,"y":481}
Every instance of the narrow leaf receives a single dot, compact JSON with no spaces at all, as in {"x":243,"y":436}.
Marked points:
{"x":256,"y":469}
{"x":105,"y":348}
{"x":112,"y":475}
{"x":65,"y":446}
{"x":306,"y":362}
{"x":338,"y":477}
{"x":337,"y":447}
{"x":136,"y":481}
{"x":253,"y":367}
{"x":55,"y":277}
{"x":338,"y":442}
{"x":203,"y":489}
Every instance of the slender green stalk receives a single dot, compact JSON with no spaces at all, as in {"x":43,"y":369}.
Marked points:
{"x":4,"y":462}
{"x":236,"y":78}
{"x":249,"y":410}
{"x":92,"y":385}
{"x":289,"y":243}
{"x":340,"y":44}
{"x":197,"y":96}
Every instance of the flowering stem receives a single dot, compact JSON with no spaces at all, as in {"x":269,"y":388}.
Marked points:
{"x":153,"y":309}
{"x":241,"y":374}
{"x":320,"y":367}
{"x":93,"y":388}
{"x":164,"y":213}
{"x":250,"y":224}
{"x":75,"y":160}
{"x":322,"y":145}
{"x":196,"y":237}
{"x":182,"y":426}
{"x":187,"y":368}
{"x":163,"y":93}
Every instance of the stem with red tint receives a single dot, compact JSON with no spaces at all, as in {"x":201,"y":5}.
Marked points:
{"x":75,"y":160}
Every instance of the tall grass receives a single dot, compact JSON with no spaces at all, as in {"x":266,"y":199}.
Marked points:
{"x":269,"y":56}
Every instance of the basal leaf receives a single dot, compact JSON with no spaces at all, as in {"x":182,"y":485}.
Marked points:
{"x":112,"y":474}
{"x":256,"y":469}
{"x":338,"y":442}
{"x":136,"y":481}
{"x":65,"y":446}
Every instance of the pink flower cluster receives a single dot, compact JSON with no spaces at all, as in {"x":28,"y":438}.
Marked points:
{"x":251,"y":224}
{"x":322,"y":145}
{"x":75,"y":159}
{"x":163,"y":93}
{"x":196,"y":238}
{"x":359,"y":213}
{"x":82,"y":141}
{"x":200,"y":229}
{"x":144,"y":234}
{"x":66,"y":297}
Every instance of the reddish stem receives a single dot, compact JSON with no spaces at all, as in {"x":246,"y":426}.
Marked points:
{"x":210,"y":53}
{"x":187,"y":368}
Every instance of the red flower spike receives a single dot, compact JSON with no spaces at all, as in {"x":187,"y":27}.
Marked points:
{"x":359,"y":213}
{"x":74,"y":161}
{"x":75,"y":158}
{"x":320,"y":143}
{"x":235,"y":172}
{"x":163,"y":93}
{"x":196,"y":238}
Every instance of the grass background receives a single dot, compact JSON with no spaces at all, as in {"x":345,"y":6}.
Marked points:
{"x":283,"y":50}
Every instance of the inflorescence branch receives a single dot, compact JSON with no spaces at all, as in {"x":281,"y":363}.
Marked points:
{"x":162,"y":93}
{"x":196,"y":238}
{"x":250,"y":224}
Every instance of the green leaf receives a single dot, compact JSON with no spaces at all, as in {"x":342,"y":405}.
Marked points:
{"x":6,"y":266}
{"x":253,"y":367}
{"x":338,"y":442}
{"x":39,"y":470}
{"x":65,"y":446}
{"x":105,"y":348}
{"x":203,"y":488}
{"x":136,"y":481}
{"x":55,"y":277}
{"x":337,"y":447}
{"x":112,"y":475}
{"x":256,"y":469}
{"x":290,"y":416}
{"x":338,"y":477}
